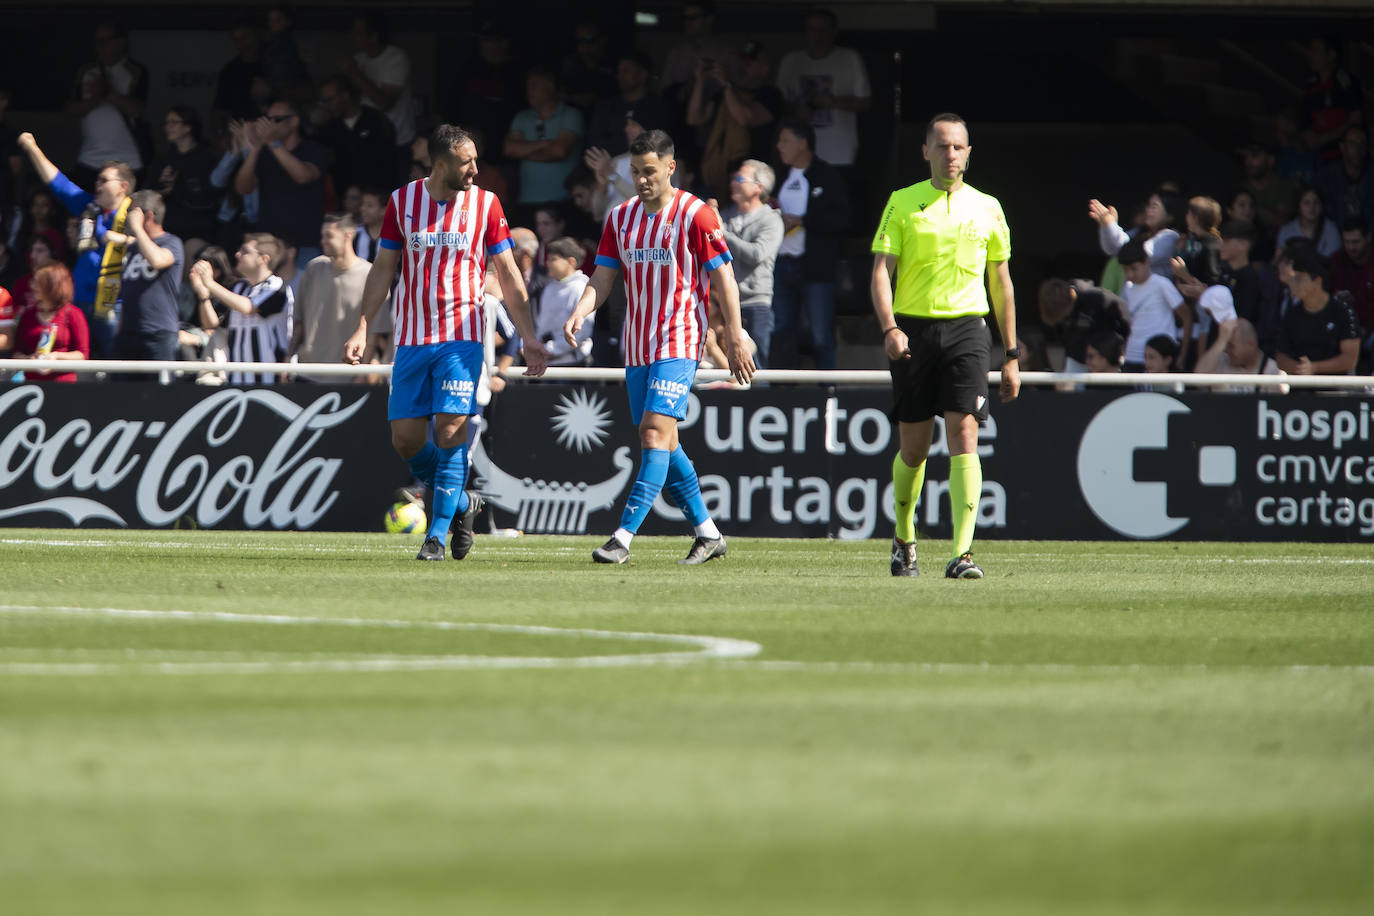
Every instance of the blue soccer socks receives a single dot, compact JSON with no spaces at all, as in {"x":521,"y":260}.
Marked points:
{"x":450,"y":498}
{"x":423,"y":464}
{"x":653,"y":471}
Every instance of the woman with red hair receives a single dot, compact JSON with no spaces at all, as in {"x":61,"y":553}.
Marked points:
{"x":52,"y":328}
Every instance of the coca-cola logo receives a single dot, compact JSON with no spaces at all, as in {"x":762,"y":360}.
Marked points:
{"x":190,"y":468}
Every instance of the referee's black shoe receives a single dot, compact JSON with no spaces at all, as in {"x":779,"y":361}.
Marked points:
{"x":462,"y":535}
{"x":432,"y":549}
{"x":904,"y":558}
{"x":963,"y":567}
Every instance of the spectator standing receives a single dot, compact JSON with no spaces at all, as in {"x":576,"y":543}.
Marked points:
{"x":362,"y":140}
{"x":109,"y":95}
{"x":182,"y":176}
{"x":368,"y":236}
{"x":736,"y":115}
{"x":1272,"y":193}
{"x":104,"y":235}
{"x":545,"y":139}
{"x":242,"y":92}
{"x":288,"y":171}
{"x":1320,"y":334}
{"x":1347,"y":185}
{"x":1200,"y":249}
{"x":699,"y":45}
{"x":1254,"y":289}
{"x":152,"y":278}
{"x":633,"y":102}
{"x":488,"y":85}
{"x":814,"y":203}
{"x":1154,"y":304}
{"x":236,"y":210}
{"x":828,"y":87}
{"x":52,"y":328}
{"x":753,"y":230}
{"x":256,"y":311}
{"x":330,"y":301}
{"x":1243,"y":210}
{"x":1332,"y":99}
{"x":1294,"y":160}
{"x":558,"y":300}
{"x":1352,"y":271}
{"x":1158,"y":235}
{"x":586,"y":75}
{"x":43,"y":216}
{"x":281,"y":58}
{"x":1312,"y":223}
{"x":39,"y":255}
{"x":381,"y":72}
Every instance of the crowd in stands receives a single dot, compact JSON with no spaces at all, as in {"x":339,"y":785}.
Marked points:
{"x":1277,"y":276}
{"x":246,"y":231}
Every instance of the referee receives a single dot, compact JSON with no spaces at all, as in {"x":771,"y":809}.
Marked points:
{"x":941,"y":236}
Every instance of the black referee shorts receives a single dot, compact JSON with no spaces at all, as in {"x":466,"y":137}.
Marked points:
{"x":947,"y":371}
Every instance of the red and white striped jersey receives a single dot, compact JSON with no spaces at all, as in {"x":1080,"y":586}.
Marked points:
{"x":667,"y":258}
{"x":444,"y":247}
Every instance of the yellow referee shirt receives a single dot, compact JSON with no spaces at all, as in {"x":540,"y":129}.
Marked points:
{"x":943,"y":243}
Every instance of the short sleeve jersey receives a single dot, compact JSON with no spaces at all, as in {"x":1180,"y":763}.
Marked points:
{"x":943,"y":243}
{"x":444,"y":246}
{"x":667,"y":258}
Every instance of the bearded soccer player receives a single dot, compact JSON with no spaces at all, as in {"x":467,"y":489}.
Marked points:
{"x":668,"y":243}
{"x":441,"y":230}
{"x":941,"y":236}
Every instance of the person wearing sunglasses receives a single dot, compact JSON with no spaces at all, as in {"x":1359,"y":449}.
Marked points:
{"x":288,"y":172}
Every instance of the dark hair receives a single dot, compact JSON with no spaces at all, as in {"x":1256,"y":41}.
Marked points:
{"x":1164,"y":345}
{"x":1238,"y":229}
{"x":445,"y":138}
{"x":1109,"y":345}
{"x":802,"y":130}
{"x":1056,"y":301}
{"x":640,"y":59}
{"x":1353,"y":223}
{"x":824,"y":12}
{"x":268,"y":244}
{"x":580,"y":176}
{"x":150,"y":202}
{"x":191,"y":117}
{"x":1133,"y":252}
{"x":554,"y":210}
{"x":653,"y":141}
{"x":372,"y":190}
{"x":543,"y":72}
{"x":219,"y":261}
{"x":707,"y":7}
{"x":375,"y":22}
{"x":341,"y":83}
{"x":1298,"y":246}
{"x":1309,"y":262}
{"x":566,"y":247}
{"x":343,"y":220}
{"x":283,"y":100}
{"x":946,"y":117}
{"x":1172,"y":202}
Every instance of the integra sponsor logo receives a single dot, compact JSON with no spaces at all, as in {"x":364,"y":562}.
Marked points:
{"x":650,"y":256}
{"x":419,"y":241}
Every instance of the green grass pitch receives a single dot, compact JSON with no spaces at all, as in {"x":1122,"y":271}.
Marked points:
{"x":1092,"y":729}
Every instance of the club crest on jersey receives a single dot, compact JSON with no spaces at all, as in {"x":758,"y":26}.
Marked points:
{"x":419,"y":241}
{"x":649,"y":256}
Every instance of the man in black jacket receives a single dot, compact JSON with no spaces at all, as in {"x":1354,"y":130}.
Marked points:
{"x":814,"y":202}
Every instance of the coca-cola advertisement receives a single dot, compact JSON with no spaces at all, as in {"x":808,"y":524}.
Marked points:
{"x":151,"y":456}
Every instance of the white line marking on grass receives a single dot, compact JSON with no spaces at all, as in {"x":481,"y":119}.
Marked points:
{"x":865,"y":667}
{"x":707,"y":648}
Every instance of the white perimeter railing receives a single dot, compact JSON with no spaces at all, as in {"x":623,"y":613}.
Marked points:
{"x":873,"y":377}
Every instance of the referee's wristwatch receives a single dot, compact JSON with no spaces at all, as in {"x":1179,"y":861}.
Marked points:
{"x":1013,"y":353}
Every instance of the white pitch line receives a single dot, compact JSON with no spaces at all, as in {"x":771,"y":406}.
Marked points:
{"x":708,"y":648}
{"x":866,"y":667}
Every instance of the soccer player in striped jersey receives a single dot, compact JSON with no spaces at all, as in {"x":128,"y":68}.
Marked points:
{"x":440,"y":231}
{"x":668,"y":243}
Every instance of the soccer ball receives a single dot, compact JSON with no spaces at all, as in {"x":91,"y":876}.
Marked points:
{"x":405,"y":518}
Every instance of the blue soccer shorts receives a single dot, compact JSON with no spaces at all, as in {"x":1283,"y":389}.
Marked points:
{"x":661,"y":387}
{"x":437,"y":378}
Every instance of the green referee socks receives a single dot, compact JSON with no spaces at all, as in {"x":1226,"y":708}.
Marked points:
{"x":906,"y":490}
{"x":965,"y":490}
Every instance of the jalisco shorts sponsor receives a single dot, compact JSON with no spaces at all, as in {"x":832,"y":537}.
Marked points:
{"x":661,"y":387}
{"x":435,"y":378}
{"x":947,"y":371}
